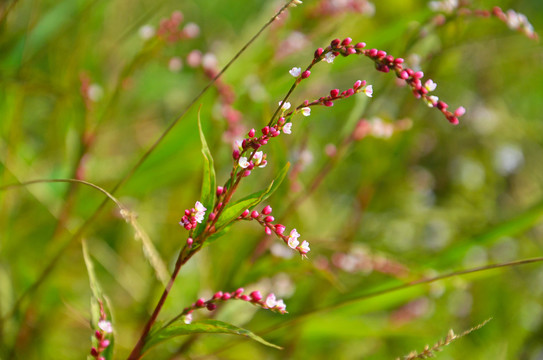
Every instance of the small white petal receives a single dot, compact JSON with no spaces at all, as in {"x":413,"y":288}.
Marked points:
{"x":270,"y":300}
{"x":368,"y":91}
{"x":293,"y":242}
{"x":284,"y":106}
{"x":287,"y":128}
{"x":105,"y":326}
{"x":243,"y":162}
{"x":430,"y":85}
{"x":306,"y":111}
{"x":295,"y":71}
{"x":329,"y":58}
{"x":199,"y":207}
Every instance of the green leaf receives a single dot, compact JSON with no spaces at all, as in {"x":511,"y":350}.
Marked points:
{"x":201,"y":327}
{"x":208,"y":182}
{"x":233,"y":211}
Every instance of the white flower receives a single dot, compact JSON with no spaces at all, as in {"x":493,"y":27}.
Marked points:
{"x":270,"y":301}
{"x":146,"y":32}
{"x":295,"y":71}
{"x":293,"y":239}
{"x":329,"y":57}
{"x":306,"y":111}
{"x":368,"y":90}
{"x":293,"y":242}
{"x":200,"y":212}
{"x":199,"y":207}
{"x":432,"y":100}
{"x":304,"y":248}
{"x":259,"y":159}
{"x":243,"y":162}
{"x":105,"y":326}
{"x":188,"y":319}
{"x":430,"y":85}
{"x":287,"y":128}
{"x":238,"y":144}
{"x":95,"y":92}
{"x":281,"y":306}
{"x":284,"y":106}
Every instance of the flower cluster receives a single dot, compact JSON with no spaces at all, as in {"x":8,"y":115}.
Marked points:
{"x":193,"y":216}
{"x":169,"y":29}
{"x":385,"y":63}
{"x":255,"y":297}
{"x":515,"y":21}
{"x":266,"y":220}
{"x":100,"y":335}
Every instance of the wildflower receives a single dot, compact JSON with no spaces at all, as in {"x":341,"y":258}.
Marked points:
{"x":200,"y":211}
{"x":329,"y":57}
{"x":293,"y":239}
{"x":259,"y":159}
{"x":304,"y":248}
{"x":287,"y":128}
{"x":188,"y":318}
{"x":295,"y":71}
{"x":280,"y":306}
{"x":430,"y":85}
{"x":105,"y":326}
{"x":368,"y":90}
{"x":146,"y":32}
{"x":271,"y":301}
{"x":243,"y":162}
{"x":306,"y":111}
{"x":432,"y":100}
{"x":284,"y":106}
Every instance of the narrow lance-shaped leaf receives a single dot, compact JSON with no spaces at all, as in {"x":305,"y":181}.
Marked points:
{"x":208,"y":182}
{"x":233,"y":211}
{"x":202,"y":327}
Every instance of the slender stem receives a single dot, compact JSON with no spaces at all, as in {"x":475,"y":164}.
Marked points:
{"x":184,"y":256}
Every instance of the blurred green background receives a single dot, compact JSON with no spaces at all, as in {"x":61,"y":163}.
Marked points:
{"x":83,"y":95}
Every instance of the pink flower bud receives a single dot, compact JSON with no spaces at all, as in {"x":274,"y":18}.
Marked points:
{"x":211,"y":306}
{"x":219,"y":205}
{"x":94,"y":352}
{"x":346,"y":41}
{"x":335,"y":43}
{"x":251,"y":133}
{"x":218,"y":295}
{"x":360,"y":45}
{"x":404,"y":75}
{"x":98,"y":335}
{"x":373,"y":52}
{"x":220,"y":190}
{"x":460,"y":111}
{"x":358,"y":84}
{"x":418,"y":75}
{"x":328,"y":103}
{"x":212,"y":216}
{"x":226,"y":296}
{"x":267,"y":210}
{"x":235,"y":154}
{"x":269,"y":219}
{"x":189,"y":242}
{"x":398,"y":61}
{"x":238,"y":292}
{"x":200,"y":302}
{"x":245,"y":297}
{"x":306,"y":74}
{"x":280,"y":229}
{"x":318,"y":52}
{"x":246,"y":173}
{"x":442,"y":105}
{"x":350,"y":51}
{"x":256,"y":296}
{"x":281,"y":121}
{"x":254,"y":214}
{"x":104,"y":344}
{"x":349,"y":92}
{"x":334,"y":93}
{"x":267,"y":230}
{"x":266,"y":130}
{"x":389,"y":59}
{"x":245,"y":213}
